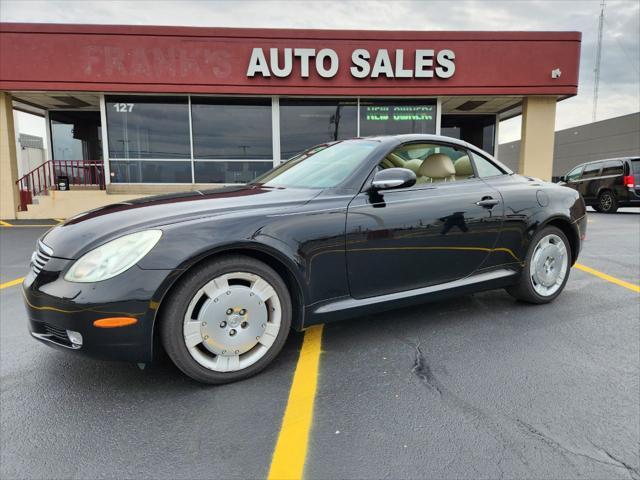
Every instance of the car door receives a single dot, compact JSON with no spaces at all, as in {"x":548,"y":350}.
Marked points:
{"x":589,"y":182}
{"x":431,"y":233}
{"x":612,"y":178}
{"x":572,"y":179}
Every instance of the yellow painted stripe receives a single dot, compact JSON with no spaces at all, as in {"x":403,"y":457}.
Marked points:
{"x":30,"y":225}
{"x":59,"y":220}
{"x":631,"y":286}
{"x":291,"y":449}
{"x":17,"y":281}
{"x":5,"y":224}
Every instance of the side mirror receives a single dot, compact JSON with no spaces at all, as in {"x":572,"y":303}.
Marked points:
{"x":390,"y":178}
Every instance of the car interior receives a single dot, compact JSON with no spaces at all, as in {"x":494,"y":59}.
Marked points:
{"x":431,"y":163}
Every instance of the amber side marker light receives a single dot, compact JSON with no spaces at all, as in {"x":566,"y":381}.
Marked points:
{"x":115,"y":322}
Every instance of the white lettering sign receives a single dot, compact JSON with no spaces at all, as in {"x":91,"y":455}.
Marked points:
{"x":281,"y":63}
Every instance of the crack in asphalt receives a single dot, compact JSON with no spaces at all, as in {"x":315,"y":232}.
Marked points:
{"x":633,"y":472}
{"x":423,"y":372}
{"x":556,"y":445}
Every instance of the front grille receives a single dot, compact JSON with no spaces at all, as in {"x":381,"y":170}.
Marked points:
{"x":59,"y":334}
{"x":40,"y":257}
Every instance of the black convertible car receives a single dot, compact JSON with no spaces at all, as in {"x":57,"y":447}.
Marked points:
{"x":219,"y":277}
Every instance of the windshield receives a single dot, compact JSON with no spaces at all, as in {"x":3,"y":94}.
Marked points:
{"x":326,"y":166}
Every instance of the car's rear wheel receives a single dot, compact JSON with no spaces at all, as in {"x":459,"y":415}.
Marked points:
{"x":607,"y":202}
{"x":227,"y":320}
{"x":546,"y":268}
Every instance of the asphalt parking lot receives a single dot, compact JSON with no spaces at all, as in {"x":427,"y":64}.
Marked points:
{"x":479,"y":387}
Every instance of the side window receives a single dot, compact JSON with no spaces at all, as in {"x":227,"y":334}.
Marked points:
{"x":613,"y":167}
{"x":574,"y":174}
{"x":431,"y":162}
{"x":485,"y":168}
{"x":592,"y":170}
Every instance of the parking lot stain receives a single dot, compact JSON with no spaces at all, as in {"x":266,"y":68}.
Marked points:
{"x":291,"y":448}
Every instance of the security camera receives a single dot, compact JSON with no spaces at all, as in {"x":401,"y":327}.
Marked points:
{"x":555,"y":73}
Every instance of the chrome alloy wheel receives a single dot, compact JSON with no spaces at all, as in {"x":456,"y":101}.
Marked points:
{"x":232,"y":321}
{"x":549,"y":265}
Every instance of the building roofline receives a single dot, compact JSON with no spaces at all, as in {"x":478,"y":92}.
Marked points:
{"x":290,"y":33}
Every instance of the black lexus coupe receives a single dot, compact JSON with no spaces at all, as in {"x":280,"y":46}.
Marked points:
{"x":218,"y":278}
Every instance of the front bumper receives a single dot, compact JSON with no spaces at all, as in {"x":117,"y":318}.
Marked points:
{"x":55,"y":306}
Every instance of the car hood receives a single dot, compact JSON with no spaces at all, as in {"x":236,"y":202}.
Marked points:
{"x":95,"y":227}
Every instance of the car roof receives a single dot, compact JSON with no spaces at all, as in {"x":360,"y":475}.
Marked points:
{"x":416,"y":137}
{"x":392,"y":140}
{"x":608,"y":159}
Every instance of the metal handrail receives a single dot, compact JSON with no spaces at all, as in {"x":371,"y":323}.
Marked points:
{"x":43,"y":177}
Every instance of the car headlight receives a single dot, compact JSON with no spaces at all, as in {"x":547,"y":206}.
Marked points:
{"x":113,"y":257}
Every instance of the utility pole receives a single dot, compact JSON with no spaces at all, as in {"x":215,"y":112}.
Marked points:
{"x":596,"y":70}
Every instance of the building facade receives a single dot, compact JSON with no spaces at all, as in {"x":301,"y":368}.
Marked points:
{"x":611,"y":138}
{"x":167,"y":108}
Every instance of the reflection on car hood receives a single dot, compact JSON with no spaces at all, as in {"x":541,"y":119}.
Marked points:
{"x":102,"y":224}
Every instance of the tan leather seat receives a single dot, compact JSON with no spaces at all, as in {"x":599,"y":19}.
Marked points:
{"x":437,"y":167}
{"x":392,"y":160}
{"x":413,"y":165}
{"x":463,"y":168}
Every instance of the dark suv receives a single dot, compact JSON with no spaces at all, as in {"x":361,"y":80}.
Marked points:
{"x":607,"y":184}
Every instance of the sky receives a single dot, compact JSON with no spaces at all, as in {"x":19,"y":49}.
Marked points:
{"x":619,"y":91}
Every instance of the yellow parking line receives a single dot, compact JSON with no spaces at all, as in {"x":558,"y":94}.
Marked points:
{"x":38,"y":225}
{"x":291,"y":449}
{"x":59,"y":220}
{"x":631,"y":286}
{"x":11,"y":283}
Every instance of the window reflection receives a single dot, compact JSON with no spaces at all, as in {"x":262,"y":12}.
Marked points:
{"x":231,"y":129}
{"x":148,"y":171}
{"x":305,"y":122}
{"x":229,"y":172}
{"x":148,"y":127}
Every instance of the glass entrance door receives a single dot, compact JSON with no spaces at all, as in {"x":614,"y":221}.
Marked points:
{"x":75,"y":135}
{"x":76,"y":149}
{"x":478,"y":130}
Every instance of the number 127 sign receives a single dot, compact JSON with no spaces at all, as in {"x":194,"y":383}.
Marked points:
{"x":123,"y":107}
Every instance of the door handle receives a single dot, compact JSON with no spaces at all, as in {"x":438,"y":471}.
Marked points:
{"x":488,"y":202}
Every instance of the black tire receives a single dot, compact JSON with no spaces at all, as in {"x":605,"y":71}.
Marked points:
{"x":607,"y":202}
{"x":524,"y":289}
{"x":175,"y":309}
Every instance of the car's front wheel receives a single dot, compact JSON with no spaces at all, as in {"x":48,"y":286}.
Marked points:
{"x":227,"y":320}
{"x":546,"y":268}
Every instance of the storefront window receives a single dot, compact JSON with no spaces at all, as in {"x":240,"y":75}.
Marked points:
{"x":392,"y":117}
{"x":150,"y":171}
{"x":308,"y":122}
{"x":231,"y":129}
{"x":229,"y":172}
{"x":148,"y":127}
